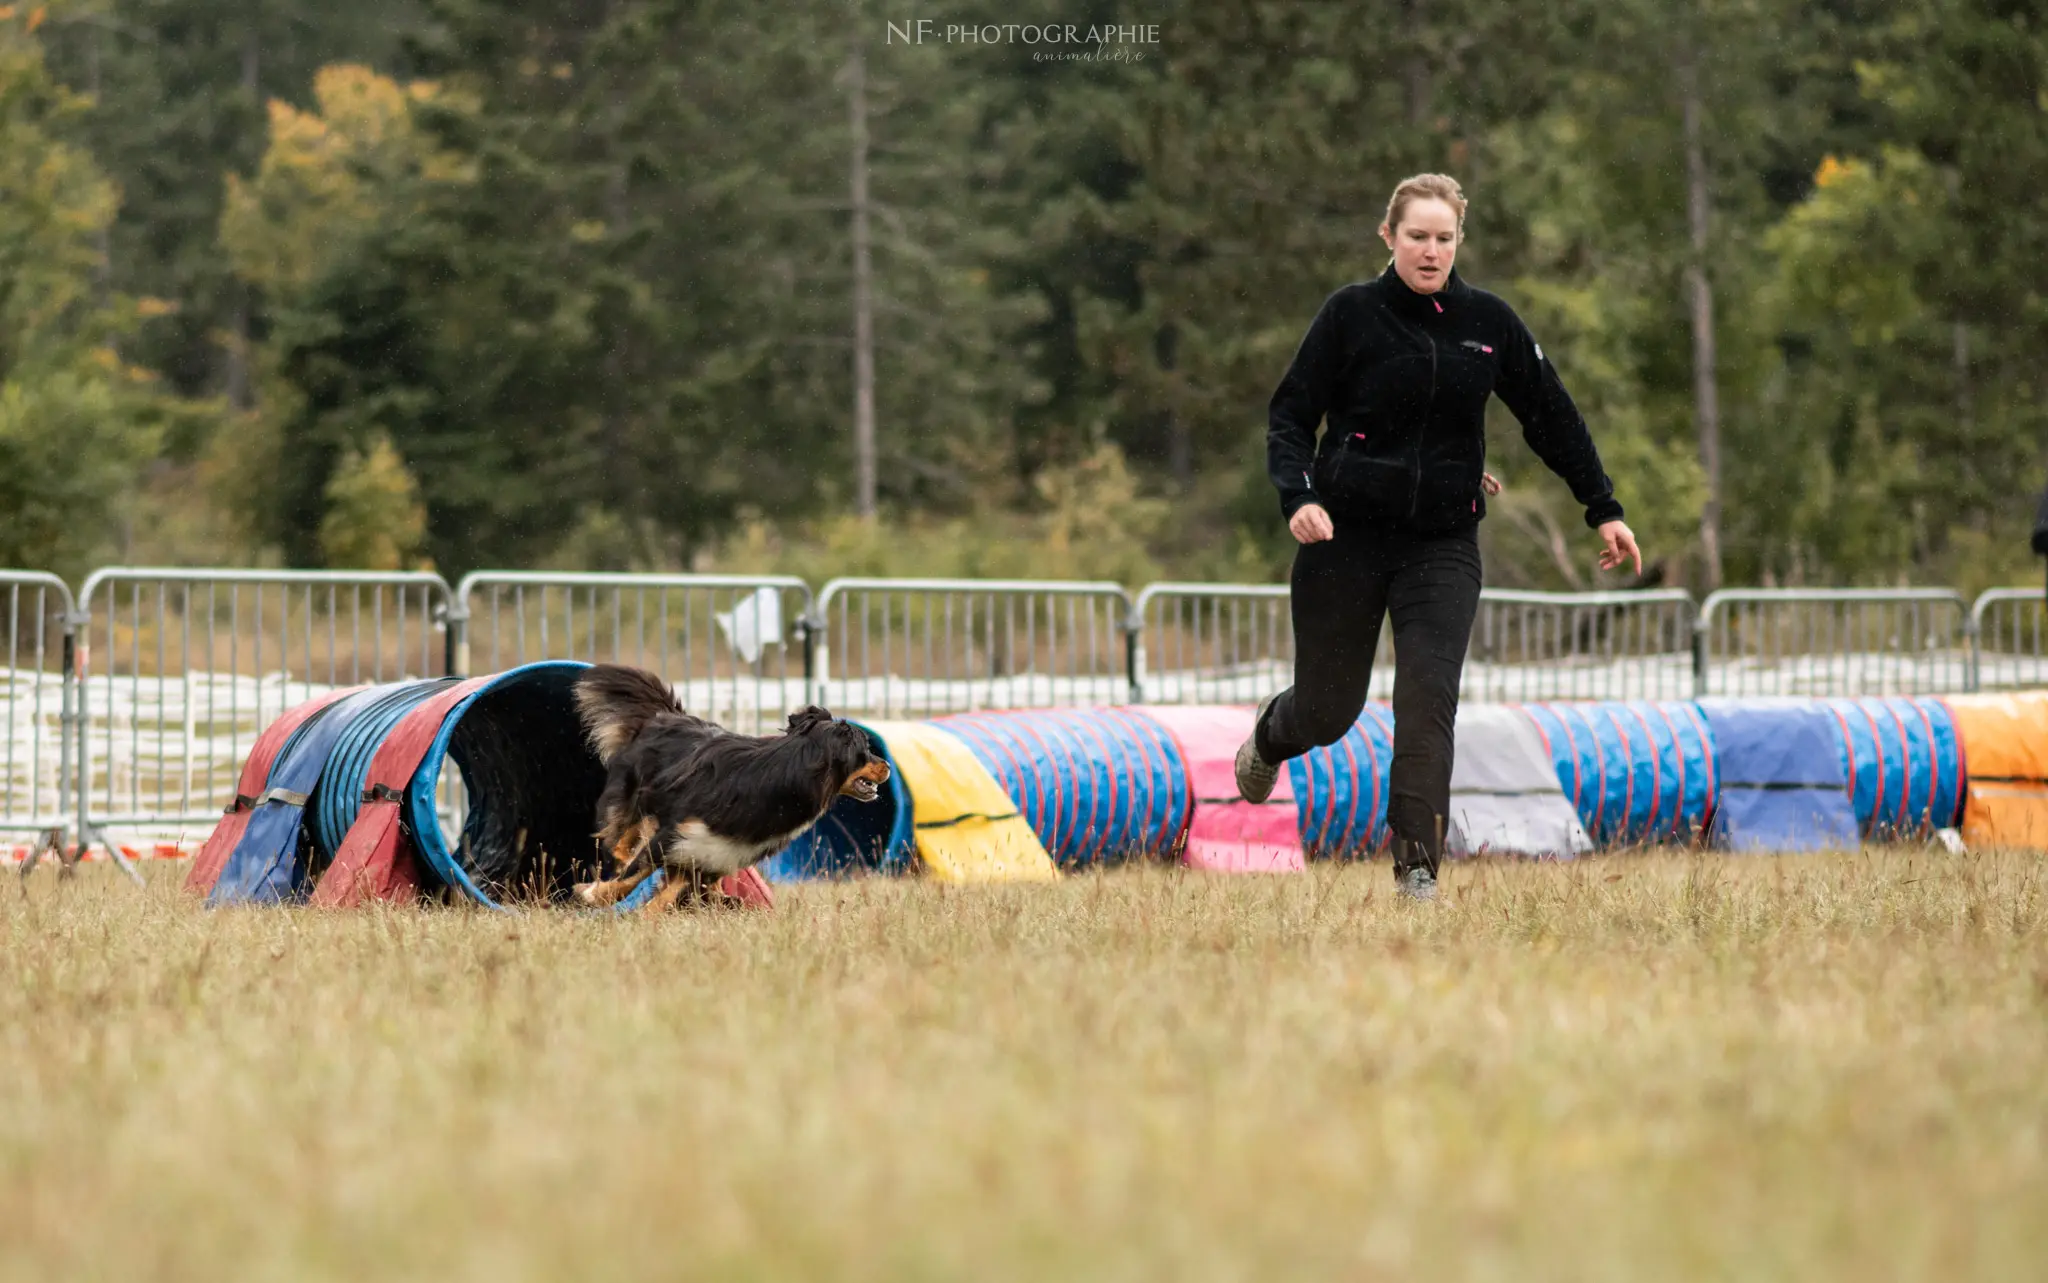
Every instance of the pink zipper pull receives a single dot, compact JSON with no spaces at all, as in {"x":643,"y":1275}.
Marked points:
{"x":1438,"y":306}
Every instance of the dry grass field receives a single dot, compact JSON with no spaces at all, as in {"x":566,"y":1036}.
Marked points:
{"x":1635,"y":1067}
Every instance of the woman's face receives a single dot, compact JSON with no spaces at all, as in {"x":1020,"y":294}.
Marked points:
{"x":1425,"y":245}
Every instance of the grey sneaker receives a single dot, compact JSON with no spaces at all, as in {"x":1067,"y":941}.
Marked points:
{"x":1255,"y":775}
{"x":1417,"y":883}
{"x":1414,"y":870}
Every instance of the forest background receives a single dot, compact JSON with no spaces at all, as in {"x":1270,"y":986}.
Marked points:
{"x":695,"y":284}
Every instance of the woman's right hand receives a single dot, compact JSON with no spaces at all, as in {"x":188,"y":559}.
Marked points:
{"x":1310,"y":524}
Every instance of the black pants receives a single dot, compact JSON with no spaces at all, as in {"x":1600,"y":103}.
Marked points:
{"x":1341,"y":589}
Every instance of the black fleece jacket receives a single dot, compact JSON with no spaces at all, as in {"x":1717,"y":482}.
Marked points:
{"x":1403,"y":380}
{"x":2041,"y":526}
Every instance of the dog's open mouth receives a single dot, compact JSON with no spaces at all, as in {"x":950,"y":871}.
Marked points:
{"x":866,"y":785}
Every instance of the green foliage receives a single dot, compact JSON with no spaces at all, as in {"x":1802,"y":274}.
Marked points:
{"x":374,"y":518}
{"x":75,"y":419}
{"x":1093,"y":522}
{"x":584,"y":275}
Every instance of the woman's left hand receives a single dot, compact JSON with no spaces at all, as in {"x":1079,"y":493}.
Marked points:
{"x":1620,"y":546}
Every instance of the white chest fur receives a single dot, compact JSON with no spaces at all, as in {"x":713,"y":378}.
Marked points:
{"x":695,"y":846}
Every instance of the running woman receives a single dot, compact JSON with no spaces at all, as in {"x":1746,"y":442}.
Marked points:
{"x":1386,"y":507}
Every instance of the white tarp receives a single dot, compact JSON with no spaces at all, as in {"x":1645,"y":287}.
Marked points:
{"x":1505,"y":796}
{"x":752,"y":623}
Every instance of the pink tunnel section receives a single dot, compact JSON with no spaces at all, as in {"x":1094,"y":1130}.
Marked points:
{"x":1227,"y":833}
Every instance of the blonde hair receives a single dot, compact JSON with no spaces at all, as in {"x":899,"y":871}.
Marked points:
{"x":1441,"y":187}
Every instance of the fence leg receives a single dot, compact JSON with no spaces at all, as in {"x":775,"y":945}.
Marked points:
{"x":1134,"y":657}
{"x":1699,"y":659}
{"x":455,"y":640}
{"x":1973,"y":675}
{"x":68,"y":765}
{"x":75,"y":674}
{"x":808,"y":636}
{"x":52,"y":838}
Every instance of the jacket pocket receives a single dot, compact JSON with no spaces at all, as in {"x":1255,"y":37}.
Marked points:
{"x":1447,"y":493}
{"x":1352,"y":478}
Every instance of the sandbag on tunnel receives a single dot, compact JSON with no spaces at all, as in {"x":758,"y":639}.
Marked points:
{"x":1783,"y":784}
{"x":2005,"y":746}
{"x":1226,"y":834}
{"x":1506,"y":798}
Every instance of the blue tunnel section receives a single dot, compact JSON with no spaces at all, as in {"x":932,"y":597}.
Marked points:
{"x":1636,"y":771}
{"x":1097,"y":785}
{"x":853,"y":837}
{"x":340,"y":795}
{"x":1340,"y":790}
{"x":532,"y":781}
{"x":1903,"y":763}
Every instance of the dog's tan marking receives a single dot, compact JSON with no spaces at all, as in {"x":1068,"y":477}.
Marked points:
{"x":637,"y":839}
{"x":630,"y":870}
{"x":602,"y":895}
{"x":672,"y":892}
{"x":875,"y":773}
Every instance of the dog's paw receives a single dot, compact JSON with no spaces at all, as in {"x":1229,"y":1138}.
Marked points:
{"x":586,"y":893}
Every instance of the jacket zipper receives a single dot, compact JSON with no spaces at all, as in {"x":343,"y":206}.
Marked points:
{"x":1415,"y":494}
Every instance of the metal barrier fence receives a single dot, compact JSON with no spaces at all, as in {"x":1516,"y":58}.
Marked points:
{"x":2009,"y":639}
{"x":1603,"y":645}
{"x":1222,"y":643}
{"x":133,"y":704}
{"x":724,"y":641}
{"x":893,"y":647}
{"x":1832,"y":641}
{"x":1211,"y":643}
{"x":36,"y":790}
{"x":178,"y":671}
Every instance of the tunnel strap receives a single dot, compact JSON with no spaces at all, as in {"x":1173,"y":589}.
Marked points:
{"x":967,"y":817}
{"x":376,"y":860}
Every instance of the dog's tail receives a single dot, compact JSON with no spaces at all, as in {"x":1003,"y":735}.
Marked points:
{"x":616,"y":703}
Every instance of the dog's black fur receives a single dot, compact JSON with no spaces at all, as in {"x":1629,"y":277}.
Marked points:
{"x":702,"y":801}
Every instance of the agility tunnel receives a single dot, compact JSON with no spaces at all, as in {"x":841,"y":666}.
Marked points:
{"x":1341,"y":789}
{"x":2004,"y":741}
{"x":854,"y":837}
{"x":1903,"y":764}
{"x":249,"y":788}
{"x":278,"y":852}
{"x":941,"y":811}
{"x":1097,"y":785}
{"x":1635,"y":772}
{"x":348,"y":807}
{"x":338,"y":799}
{"x":1506,"y":797}
{"x":346,"y":810}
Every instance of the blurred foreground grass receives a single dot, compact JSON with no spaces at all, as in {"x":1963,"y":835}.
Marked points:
{"x":1660,"y":1066}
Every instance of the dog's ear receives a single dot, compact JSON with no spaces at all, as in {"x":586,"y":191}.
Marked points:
{"x":809,"y":717}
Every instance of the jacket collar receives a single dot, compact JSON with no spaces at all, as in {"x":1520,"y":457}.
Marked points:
{"x":1409,"y":303}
